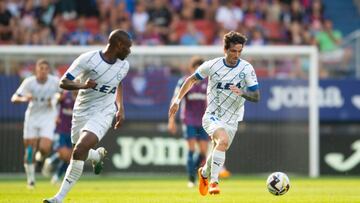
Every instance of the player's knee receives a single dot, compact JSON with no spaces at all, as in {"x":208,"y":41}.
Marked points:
{"x":80,"y":152}
{"x":223,"y":142}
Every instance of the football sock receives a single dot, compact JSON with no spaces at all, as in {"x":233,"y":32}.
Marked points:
{"x":72,"y":175}
{"x":207,"y":167}
{"x":93,"y":155}
{"x":218,"y":158}
{"x":190,"y":166}
{"x":30,"y":172}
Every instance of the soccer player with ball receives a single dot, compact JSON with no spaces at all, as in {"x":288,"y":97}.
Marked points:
{"x":231,"y":81}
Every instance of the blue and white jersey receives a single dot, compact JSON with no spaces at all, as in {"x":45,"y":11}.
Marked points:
{"x":91,"y":65}
{"x":221,"y":101}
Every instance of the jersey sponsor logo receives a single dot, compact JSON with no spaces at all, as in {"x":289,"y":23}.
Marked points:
{"x":107,"y":89}
{"x":226,"y":86}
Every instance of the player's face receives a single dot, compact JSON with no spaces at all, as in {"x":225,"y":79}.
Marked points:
{"x":232,"y":54}
{"x":123,"y":49}
{"x":42,"y":71}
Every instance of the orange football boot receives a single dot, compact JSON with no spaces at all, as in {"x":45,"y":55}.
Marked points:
{"x":203,"y":183}
{"x":214,"y":188}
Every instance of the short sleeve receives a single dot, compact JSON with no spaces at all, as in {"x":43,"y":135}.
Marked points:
{"x":203,"y":70}
{"x":251,"y":79}
{"x":76,"y":68}
{"x":24,"y":88}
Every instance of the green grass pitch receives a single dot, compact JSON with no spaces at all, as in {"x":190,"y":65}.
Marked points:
{"x":157,"y":189}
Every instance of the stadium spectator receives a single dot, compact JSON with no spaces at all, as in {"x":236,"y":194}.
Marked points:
{"x":192,"y":110}
{"x":94,"y":108}
{"x":6,"y":22}
{"x":329,"y":41}
{"x":221,"y":117}
{"x":228,"y":15}
{"x":192,"y":36}
{"x":81,"y":36}
{"x":39,"y":124}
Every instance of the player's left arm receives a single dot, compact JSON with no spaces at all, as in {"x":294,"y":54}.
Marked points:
{"x":252,"y":93}
{"x":120,"y":114}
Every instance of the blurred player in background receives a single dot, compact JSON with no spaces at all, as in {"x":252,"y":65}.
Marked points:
{"x":63,"y":145}
{"x":192,"y":110}
{"x":231,"y":81}
{"x":40,"y":91}
{"x":99,"y":98}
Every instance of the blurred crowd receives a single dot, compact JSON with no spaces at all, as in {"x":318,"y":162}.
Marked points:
{"x":160,"y":22}
{"x":172,"y":22}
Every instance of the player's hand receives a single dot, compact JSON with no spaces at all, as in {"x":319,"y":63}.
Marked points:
{"x":173,"y":109}
{"x":236,"y":90}
{"x":89,"y":83}
{"x":172,"y":128}
{"x":120,"y":117}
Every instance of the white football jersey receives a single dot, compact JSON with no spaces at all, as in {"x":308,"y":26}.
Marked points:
{"x":91,"y":65}
{"x":221,"y":101}
{"x":39,"y":109}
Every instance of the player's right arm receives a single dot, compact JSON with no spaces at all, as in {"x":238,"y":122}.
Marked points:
{"x":201,"y":73}
{"x":79,"y":66}
{"x":172,"y":128}
{"x":189,"y":82}
{"x":22,"y":94}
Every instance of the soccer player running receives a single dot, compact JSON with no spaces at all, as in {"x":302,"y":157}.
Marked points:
{"x":192,"y":111}
{"x":231,"y":81}
{"x":40,"y":92}
{"x":100,"y":73}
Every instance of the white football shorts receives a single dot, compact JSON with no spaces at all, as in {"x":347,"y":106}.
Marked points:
{"x":37,"y":128}
{"x":98,"y":123}
{"x":211,"y":123}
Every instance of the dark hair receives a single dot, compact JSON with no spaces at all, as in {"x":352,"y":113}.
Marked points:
{"x":118,"y":35}
{"x":234,"y":38}
{"x":196,"y":61}
{"x":42,"y":61}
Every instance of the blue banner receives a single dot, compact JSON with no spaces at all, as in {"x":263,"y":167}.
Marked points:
{"x":147,"y":96}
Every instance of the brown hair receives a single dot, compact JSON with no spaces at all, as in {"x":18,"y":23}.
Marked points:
{"x":232,"y":38}
{"x":42,"y":61}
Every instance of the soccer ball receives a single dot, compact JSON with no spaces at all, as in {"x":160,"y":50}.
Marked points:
{"x":278,"y":183}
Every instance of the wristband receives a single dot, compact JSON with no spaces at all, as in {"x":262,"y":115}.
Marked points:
{"x":176,"y":101}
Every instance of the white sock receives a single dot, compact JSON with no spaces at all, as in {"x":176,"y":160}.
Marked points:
{"x":207,"y":167}
{"x":30,"y":172}
{"x":72,"y":175}
{"x":93,"y":155}
{"x":218,"y":158}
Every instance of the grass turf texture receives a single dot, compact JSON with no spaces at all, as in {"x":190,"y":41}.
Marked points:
{"x":157,"y":189}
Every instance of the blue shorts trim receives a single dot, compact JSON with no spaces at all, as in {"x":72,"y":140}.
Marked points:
{"x":197,"y":132}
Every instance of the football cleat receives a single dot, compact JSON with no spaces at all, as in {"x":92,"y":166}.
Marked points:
{"x":31,"y":185}
{"x":214,"y":188}
{"x":98,"y":166}
{"x":203,"y":183}
{"x":191,"y":184}
{"x":52,"y":200}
